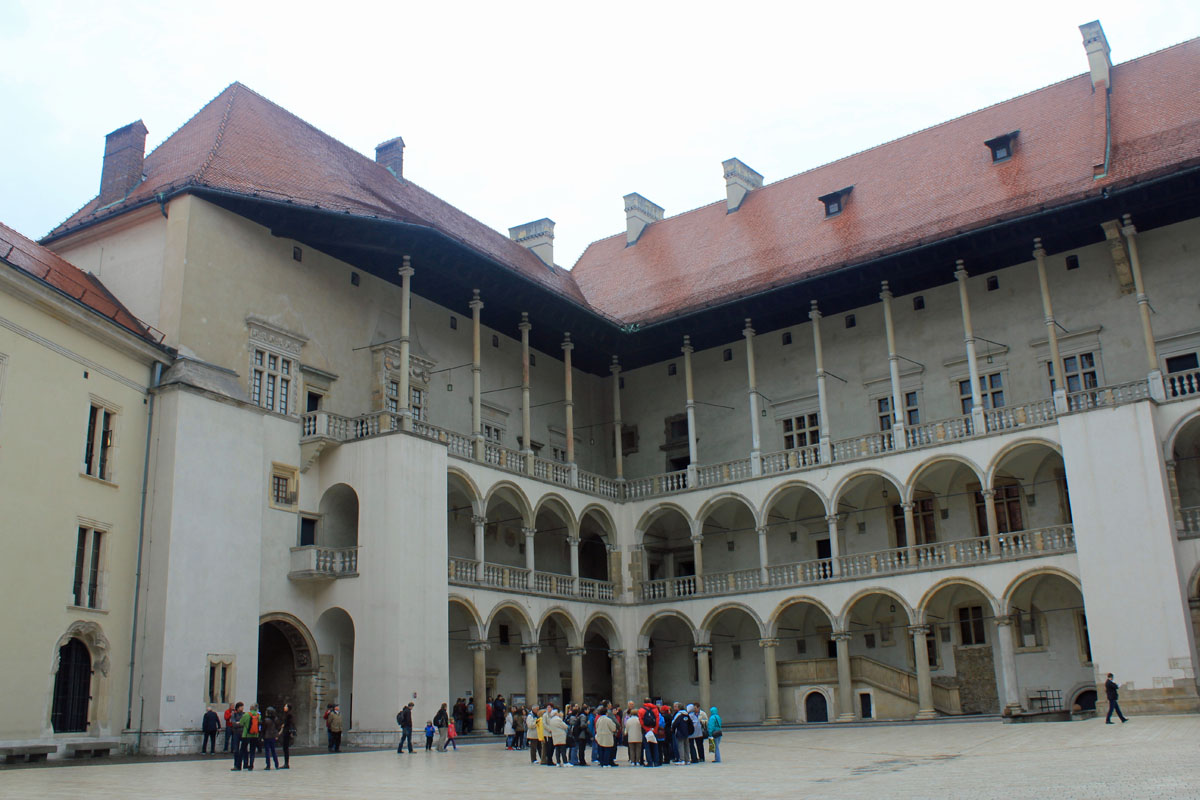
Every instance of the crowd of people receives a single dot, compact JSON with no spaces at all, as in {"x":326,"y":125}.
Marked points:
{"x":248,"y":732}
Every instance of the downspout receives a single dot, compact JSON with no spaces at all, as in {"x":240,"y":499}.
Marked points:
{"x":137,"y":577}
{"x":1107,"y":133}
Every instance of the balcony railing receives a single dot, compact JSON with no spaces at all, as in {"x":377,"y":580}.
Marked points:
{"x":464,"y":572}
{"x":1182,"y":384}
{"x":314,"y":563}
{"x":1191,"y":522}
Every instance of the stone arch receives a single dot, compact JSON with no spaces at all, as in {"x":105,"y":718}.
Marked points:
{"x":92,"y":636}
{"x":715,"y":501}
{"x":785,"y":487}
{"x":93,"y":675}
{"x":476,"y":618}
{"x":608,"y":628}
{"x":910,"y":485}
{"x":648,"y":625}
{"x":560,"y":507}
{"x":709,"y":618}
{"x":651,"y":515}
{"x":1173,"y":434}
{"x":304,"y":645}
{"x":772,"y":626}
{"x":843,"y":619}
{"x":604,"y":520}
{"x":471,"y":489}
{"x":1008,"y":449}
{"x":1016,"y":582}
{"x":932,"y":591}
{"x":835,"y":496}
{"x":572,"y":629}
{"x":521,"y":615}
{"x":514,"y":496}
{"x":339,"y":517}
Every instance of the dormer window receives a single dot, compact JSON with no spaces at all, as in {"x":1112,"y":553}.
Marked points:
{"x":835,"y":201}
{"x":1002,"y":146}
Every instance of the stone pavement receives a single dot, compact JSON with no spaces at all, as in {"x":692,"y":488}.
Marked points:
{"x":1148,"y":757}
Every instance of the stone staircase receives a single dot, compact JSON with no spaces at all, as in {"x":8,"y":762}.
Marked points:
{"x":865,"y":671}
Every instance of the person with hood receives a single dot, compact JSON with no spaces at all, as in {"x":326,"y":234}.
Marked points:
{"x":648,"y":718}
{"x":697,"y":736}
{"x":714,"y":732}
{"x":680,"y":731}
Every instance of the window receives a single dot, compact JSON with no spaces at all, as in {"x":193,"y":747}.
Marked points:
{"x":671,"y":370}
{"x":1183,"y":375}
{"x":1002,"y":146}
{"x":787,"y":337}
{"x":1184,"y":363}
{"x":392,"y":397}
{"x":89,"y":551}
{"x":308,"y":531}
{"x":417,"y":401}
{"x":931,"y":647}
{"x":1085,"y":641}
{"x":923,"y":520}
{"x":284,"y":482}
{"x":727,"y":354}
{"x":219,"y":687}
{"x":297,"y":254}
{"x":801,"y":431}
{"x":991,"y":392}
{"x":919,"y":302}
{"x":453,"y":322}
{"x":1007,"y":499}
{"x":495,"y":340}
{"x":912,"y":410}
{"x":98,"y":447}
{"x":970,"y":625}
{"x":737,"y":652}
{"x":558,"y":454}
{"x":676,"y":431}
{"x":1080,"y":372}
{"x":850,"y":321}
{"x":869,"y":641}
{"x":1072,"y":262}
{"x":835,"y":202}
{"x":493,"y":433}
{"x":993,"y":283}
{"x":1028,"y":627}
{"x":271,"y":381}
{"x":533,"y":359}
{"x":629,"y":439}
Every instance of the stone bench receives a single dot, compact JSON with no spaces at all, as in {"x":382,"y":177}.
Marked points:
{"x":97,"y":748}
{"x":30,"y":752}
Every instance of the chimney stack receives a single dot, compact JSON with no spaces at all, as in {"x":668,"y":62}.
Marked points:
{"x":124,"y":152}
{"x":391,"y":155}
{"x":1096,"y":45}
{"x":537,"y":236}
{"x":740,"y":181}
{"x":639,"y":212}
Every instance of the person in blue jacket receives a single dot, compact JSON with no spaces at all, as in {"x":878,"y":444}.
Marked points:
{"x":714,"y":731}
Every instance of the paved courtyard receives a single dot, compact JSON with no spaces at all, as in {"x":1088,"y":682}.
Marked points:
{"x":1149,"y":757}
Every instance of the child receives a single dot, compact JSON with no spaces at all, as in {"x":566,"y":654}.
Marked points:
{"x":451,"y":734}
{"x":429,"y":732}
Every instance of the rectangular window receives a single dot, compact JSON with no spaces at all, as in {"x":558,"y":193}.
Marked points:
{"x":89,"y":550}
{"x":284,"y":481}
{"x":970,"y":625}
{"x":1080,"y":372}
{"x":1085,"y":641}
{"x":801,"y":431}
{"x":219,"y":686}
{"x":392,"y":397}
{"x":991,"y":392}
{"x":923,"y":520}
{"x":308,"y":531}
{"x":417,"y":402}
{"x":271,"y":381}
{"x":912,"y":410}
{"x":1007,"y":499}
{"x":493,"y":433}
{"x":97,"y":451}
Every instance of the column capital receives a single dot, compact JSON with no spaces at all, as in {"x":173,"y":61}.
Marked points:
{"x":529,"y":532}
{"x":697,"y":538}
{"x":885,"y":293}
{"x":613,"y":548}
{"x":768,"y":643}
{"x":405,"y":267}
{"x":616,"y":653}
{"x":615,"y":366}
{"x":480,"y":646}
{"x":988,"y":493}
{"x":841,"y":636}
{"x":906,"y":506}
{"x":524,"y":324}
{"x":644,"y":652}
{"x":530,"y":649}
{"x":567,"y":343}
{"x":960,"y":272}
{"x":475,"y":303}
{"x":814,"y":313}
{"x":702,"y":648}
{"x":761,"y":530}
{"x":1038,"y":250}
{"x":687,"y":348}
{"x":918,"y":630}
{"x":476,"y":519}
{"x":748,"y":331}
{"x":1127,"y":226}
{"x":576,"y":651}
{"x":1004,"y":620}
{"x":573,"y":541}
{"x":831,"y":519}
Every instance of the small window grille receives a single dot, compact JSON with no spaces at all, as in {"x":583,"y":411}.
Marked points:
{"x":993,"y":283}
{"x":1072,"y":262}
{"x":671,"y":369}
{"x":787,"y":337}
{"x":727,"y":354}
{"x":919,"y":302}
{"x":851,"y":321}
{"x":1002,"y":146}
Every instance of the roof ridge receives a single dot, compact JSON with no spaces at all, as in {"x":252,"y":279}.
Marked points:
{"x":212,"y":154}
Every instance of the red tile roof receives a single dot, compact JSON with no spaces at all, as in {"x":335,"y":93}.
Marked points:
{"x":29,"y":256}
{"x":907,"y":192}
{"x":241,"y":142}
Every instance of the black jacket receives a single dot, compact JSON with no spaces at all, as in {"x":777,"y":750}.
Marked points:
{"x":1110,"y":690}
{"x":211,"y":722}
{"x":406,"y":717}
{"x":441,"y":719}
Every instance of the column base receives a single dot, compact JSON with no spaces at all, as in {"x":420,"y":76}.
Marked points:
{"x":846,"y":718}
{"x":926,"y":713}
{"x":773,"y":721}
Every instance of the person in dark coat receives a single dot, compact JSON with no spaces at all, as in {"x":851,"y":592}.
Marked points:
{"x":210,"y":725}
{"x":1110,"y":691}
{"x":498,"y":714}
{"x":287,"y":734}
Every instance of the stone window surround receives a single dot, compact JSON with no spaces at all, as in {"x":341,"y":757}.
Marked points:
{"x":293,"y":477}
{"x":113,"y":449}
{"x":218,"y":660}
{"x":283,"y":343}
{"x":93,"y":527}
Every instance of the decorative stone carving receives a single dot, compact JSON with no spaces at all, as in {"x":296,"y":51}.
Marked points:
{"x":92,"y":635}
{"x":274,"y":337}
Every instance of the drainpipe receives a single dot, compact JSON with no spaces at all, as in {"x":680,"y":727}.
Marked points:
{"x":137,"y":576}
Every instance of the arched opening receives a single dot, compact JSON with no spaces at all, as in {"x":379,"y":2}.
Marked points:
{"x":335,"y":639}
{"x":962,"y":646}
{"x":945,"y":495}
{"x":460,"y":515}
{"x":667,"y":554}
{"x":339,"y":517}
{"x":870,"y":518}
{"x":509,"y":633}
{"x":797,"y":537}
{"x":816,"y":709}
{"x":462,"y":633}
{"x":671,"y":668}
{"x":594,"y":536}
{"x":599,"y":640}
{"x":551,"y":545}
{"x":1085,"y":700}
{"x":504,"y":533}
{"x":881,"y":656}
{"x":556,"y":637}
{"x":72,"y":688}
{"x":736,"y":666}
{"x":806,"y":655}
{"x":286,"y":667}
{"x":1052,"y":649}
{"x":1186,"y":455}
{"x":1029,"y":483}
{"x":729,"y":549}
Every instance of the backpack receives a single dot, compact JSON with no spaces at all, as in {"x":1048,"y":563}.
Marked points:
{"x":400,"y":718}
{"x":253,"y":729}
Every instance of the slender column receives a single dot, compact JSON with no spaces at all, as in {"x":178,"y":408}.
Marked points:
{"x":693,"y":459}
{"x":479,"y":523}
{"x":643,"y":655}
{"x":769,"y":648}
{"x":698,"y":558}
{"x":530,"y":651}
{"x":618,"y":426}
{"x":569,"y":404}
{"x":1060,"y":390}
{"x":576,"y":654}
{"x":703,"y":651}
{"x":752,"y":391}
{"x":899,"y":440}
{"x":476,"y":306}
{"x":993,"y":524}
{"x":924,"y":682}
{"x":835,"y":549}
{"x":405,"y":402}
{"x":762,"y":555}
{"x":1143,"y":301}
{"x":616,"y":660}
{"x":825,"y":450}
{"x":530,"y":533}
{"x":1176,"y":502}
{"x":616,"y":568}
{"x":573,"y":541}
{"x":845,"y":686}
{"x":526,"y":428}
{"x":1008,"y":664}
{"x":910,"y":533}
{"x":960,"y":274}
{"x":479,"y":651}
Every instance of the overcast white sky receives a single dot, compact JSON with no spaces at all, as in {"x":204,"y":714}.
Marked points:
{"x":515,"y":111}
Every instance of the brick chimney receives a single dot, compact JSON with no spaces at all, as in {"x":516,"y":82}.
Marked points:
{"x":391,"y":155}
{"x":1096,"y":45}
{"x":537,"y":236}
{"x":124,"y":152}
{"x":740,"y":181}
{"x":639,"y":212}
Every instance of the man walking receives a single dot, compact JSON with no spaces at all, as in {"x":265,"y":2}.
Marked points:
{"x":441,"y":721}
{"x":1110,"y":690}
{"x":405,"y":720}
{"x":210,"y":725}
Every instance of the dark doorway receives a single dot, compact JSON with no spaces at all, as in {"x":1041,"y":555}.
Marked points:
{"x":72,"y":686}
{"x":865,"y":709}
{"x":815,"y":708}
{"x":823,"y":550}
{"x":1086,"y":700}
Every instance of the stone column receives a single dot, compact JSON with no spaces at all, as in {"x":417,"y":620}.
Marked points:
{"x":476,"y":305}
{"x":1060,"y":391}
{"x":618,"y":446}
{"x":910,"y":533}
{"x":576,"y":654}
{"x":616,"y":568}
{"x":1008,"y":664}
{"x":763,"y":576}
{"x":752,"y":392}
{"x":691,"y":410}
{"x":825,"y":451}
{"x":530,"y":651}
{"x":993,"y":524}
{"x":1143,"y":301}
{"x":845,"y":684}
{"x":698,"y":558}
{"x":924,"y":682}
{"x":479,"y":523}
{"x":643,"y":655}
{"x":977,"y":419}
{"x":573,"y":542}
{"x":703,"y":651}
{"x":530,"y":533}
{"x":405,"y":402}
{"x":569,"y":404}
{"x":769,"y":648}
{"x":899,"y":440}
{"x":1176,"y":502}
{"x":835,"y":547}
{"x":526,"y":428}
{"x":479,"y":651}
{"x":616,"y":661}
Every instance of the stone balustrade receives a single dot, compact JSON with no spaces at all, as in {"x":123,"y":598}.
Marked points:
{"x":315,"y":563}
{"x":465,"y":572}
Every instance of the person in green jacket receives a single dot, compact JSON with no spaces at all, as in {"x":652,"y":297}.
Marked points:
{"x":714,"y":731}
{"x":251,"y":734}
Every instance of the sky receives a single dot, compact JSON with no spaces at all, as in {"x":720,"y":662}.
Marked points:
{"x":517,"y":111}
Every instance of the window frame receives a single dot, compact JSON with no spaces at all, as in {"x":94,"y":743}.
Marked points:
{"x":977,"y":625}
{"x":89,"y":576}
{"x":214,"y":663}
{"x":289,"y":474}
{"x":809,"y":429}
{"x":100,"y":442}
{"x":988,"y":390}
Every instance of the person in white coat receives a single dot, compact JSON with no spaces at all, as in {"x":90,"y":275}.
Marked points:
{"x":606,"y":730}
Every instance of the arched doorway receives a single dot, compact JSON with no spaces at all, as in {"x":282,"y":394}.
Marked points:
{"x":667,"y":557}
{"x":671,"y":668}
{"x":599,"y":640}
{"x":729,"y":548}
{"x":338,"y":527}
{"x":736,"y":664}
{"x":806,"y":654}
{"x":72,"y":688}
{"x":962,"y":645}
{"x":594,"y":558}
{"x":335,"y":638}
{"x":287,"y":664}
{"x":816,"y":709}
